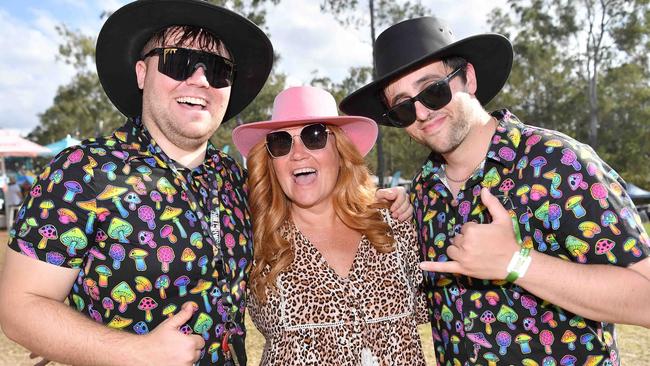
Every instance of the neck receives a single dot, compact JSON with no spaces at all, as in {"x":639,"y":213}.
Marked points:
{"x":469,"y":154}
{"x":321,"y":216}
{"x":187,"y":156}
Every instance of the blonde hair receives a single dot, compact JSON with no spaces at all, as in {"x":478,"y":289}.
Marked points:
{"x":354,"y":195}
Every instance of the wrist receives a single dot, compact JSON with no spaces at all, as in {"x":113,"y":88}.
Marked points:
{"x":519,"y":264}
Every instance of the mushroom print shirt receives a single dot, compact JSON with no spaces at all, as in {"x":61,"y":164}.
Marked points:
{"x":146,"y":235}
{"x":568,"y":204}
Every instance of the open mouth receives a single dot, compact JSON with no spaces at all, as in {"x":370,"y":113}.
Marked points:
{"x":194,"y":103}
{"x":304,"y":175}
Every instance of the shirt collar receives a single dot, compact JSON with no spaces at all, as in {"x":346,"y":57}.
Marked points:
{"x":135,"y":136}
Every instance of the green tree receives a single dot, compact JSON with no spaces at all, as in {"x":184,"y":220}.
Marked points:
{"x":374,"y":14}
{"x":581,"y":67}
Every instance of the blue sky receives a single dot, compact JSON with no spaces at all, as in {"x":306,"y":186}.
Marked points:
{"x":30,"y":74}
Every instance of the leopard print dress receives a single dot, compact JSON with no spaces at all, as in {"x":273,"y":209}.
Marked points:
{"x":317,"y":317}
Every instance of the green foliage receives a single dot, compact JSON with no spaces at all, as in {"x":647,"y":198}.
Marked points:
{"x":556,"y":43}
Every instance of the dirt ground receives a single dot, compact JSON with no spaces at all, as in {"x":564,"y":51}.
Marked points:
{"x":634,"y":341}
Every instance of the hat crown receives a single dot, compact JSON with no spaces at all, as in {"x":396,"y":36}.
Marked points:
{"x":302,"y":102}
{"x":410,"y":41}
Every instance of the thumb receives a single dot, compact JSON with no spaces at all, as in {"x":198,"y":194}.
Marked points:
{"x":181,"y":317}
{"x":497,"y":211}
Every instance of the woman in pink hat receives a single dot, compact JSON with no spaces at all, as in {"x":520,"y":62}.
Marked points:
{"x":336,"y":278}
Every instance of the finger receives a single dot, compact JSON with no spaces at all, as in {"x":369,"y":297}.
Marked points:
{"x":180,"y":318}
{"x":407,"y":214}
{"x":454,"y":252}
{"x":497,"y":211}
{"x":42,"y":362}
{"x":384,"y":195}
{"x":198,"y":340}
{"x":466,"y":226}
{"x":445,"y":267}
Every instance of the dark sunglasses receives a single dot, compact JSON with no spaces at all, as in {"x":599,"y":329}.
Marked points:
{"x":434,"y":96}
{"x":180,"y":63}
{"x":314,"y":137}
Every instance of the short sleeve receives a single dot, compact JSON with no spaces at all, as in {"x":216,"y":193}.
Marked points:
{"x":50,"y":225}
{"x":599,"y":223}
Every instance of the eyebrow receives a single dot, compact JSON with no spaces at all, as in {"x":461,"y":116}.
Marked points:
{"x":424,"y":79}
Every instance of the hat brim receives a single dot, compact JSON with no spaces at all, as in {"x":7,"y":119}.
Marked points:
{"x":360,"y":130}
{"x":490,"y":54}
{"x":127,"y":30}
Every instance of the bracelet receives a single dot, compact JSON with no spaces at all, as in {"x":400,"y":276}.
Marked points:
{"x":521,"y":259}
{"x":518,"y":265}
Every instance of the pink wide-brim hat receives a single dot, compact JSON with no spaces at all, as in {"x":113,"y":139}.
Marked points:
{"x":305,"y":105}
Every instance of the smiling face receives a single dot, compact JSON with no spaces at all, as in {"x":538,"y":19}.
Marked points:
{"x":442,"y":130}
{"x":180,"y":114}
{"x":308,"y":177}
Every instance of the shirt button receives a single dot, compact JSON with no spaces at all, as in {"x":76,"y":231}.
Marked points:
{"x":342,"y":341}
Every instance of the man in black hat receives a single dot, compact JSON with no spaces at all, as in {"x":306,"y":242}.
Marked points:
{"x":533,"y":247}
{"x":148,"y":230}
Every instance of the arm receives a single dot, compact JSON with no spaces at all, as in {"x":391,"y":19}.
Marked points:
{"x":32,"y":313}
{"x":595,"y":291}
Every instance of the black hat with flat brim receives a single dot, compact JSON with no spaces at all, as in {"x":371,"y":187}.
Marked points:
{"x":126,"y":31}
{"x":413,"y":43}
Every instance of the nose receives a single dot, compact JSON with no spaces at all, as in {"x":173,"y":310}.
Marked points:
{"x":298,"y":149}
{"x":198,"y":77}
{"x":422,"y":112}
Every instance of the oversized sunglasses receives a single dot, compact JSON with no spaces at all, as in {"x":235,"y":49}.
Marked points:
{"x":434,"y":96}
{"x":314,"y":137}
{"x":180,"y":63}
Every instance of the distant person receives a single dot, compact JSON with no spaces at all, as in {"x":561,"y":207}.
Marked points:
{"x":335,"y":279}
{"x":533,"y":246}
{"x":13,"y":195}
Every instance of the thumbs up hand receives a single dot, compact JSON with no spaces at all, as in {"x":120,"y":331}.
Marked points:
{"x":481,"y":250}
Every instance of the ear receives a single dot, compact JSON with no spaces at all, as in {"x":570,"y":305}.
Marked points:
{"x":140,"y":72}
{"x":470,"y":76}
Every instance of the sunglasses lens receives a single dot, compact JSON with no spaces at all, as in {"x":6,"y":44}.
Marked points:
{"x":436,"y":95}
{"x":180,"y":63}
{"x":403,"y":114}
{"x":314,"y":136}
{"x":173,"y":63}
{"x":278,"y":143}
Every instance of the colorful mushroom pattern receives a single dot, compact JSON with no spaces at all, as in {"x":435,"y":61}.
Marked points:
{"x":146,"y":235}
{"x":569,"y":204}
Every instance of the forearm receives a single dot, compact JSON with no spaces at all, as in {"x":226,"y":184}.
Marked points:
{"x":59,"y":333}
{"x":598,"y":292}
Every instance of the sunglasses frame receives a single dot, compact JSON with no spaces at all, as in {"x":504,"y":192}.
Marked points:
{"x":190,"y":67}
{"x":410,"y":102}
{"x":327,"y":132}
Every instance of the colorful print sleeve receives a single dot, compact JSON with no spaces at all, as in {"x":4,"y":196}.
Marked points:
{"x":55,"y":225}
{"x":590,"y":213}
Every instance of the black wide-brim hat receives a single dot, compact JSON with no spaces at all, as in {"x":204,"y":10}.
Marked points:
{"x":126,"y":31}
{"x":413,"y":43}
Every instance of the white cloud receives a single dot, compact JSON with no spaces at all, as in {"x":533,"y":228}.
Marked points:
{"x":308,"y":40}
{"x":29,"y":74}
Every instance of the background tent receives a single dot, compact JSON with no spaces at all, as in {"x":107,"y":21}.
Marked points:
{"x":57,"y":146}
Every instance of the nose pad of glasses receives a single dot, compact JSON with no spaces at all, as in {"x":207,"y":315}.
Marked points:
{"x":198,"y":65}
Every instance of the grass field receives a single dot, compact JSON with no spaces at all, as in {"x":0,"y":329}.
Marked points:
{"x":634,"y":342}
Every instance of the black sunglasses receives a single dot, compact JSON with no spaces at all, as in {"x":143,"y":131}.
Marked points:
{"x":434,"y":96}
{"x":180,"y":63}
{"x":314,"y":137}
